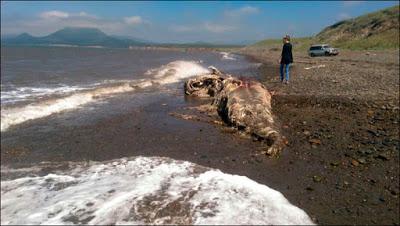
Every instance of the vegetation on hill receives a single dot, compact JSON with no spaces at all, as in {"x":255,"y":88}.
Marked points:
{"x":377,"y":30}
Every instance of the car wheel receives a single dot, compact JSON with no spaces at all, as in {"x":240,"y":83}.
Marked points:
{"x":327,"y":54}
{"x":312,"y":55}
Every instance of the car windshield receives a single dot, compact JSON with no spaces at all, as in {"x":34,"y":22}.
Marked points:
{"x":315,"y":47}
{"x":326,"y":47}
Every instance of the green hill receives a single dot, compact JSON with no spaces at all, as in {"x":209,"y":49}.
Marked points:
{"x":377,"y":30}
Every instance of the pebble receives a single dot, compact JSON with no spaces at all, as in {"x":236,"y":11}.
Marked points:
{"x":372,"y":181}
{"x":368,"y":151}
{"x":317,"y":178}
{"x":362,"y":160}
{"x":309,"y":188}
{"x":373,"y":132}
{"x":354,"y":162}
{"x":383,"y":156}
{"x":315,"y":141}
{"x":335,"y":163}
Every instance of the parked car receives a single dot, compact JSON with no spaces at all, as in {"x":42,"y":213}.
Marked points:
{"x":322,"y":50}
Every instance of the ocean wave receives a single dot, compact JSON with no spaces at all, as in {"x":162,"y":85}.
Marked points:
{"x":170,"y":73}
{"x":176,"y":71}
{"x":17,"y":115}
{"x":143,"y":190}
{"x":227,"y":56}
{"x":19,"y":94}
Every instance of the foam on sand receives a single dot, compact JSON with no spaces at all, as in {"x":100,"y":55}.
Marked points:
{"x":143,"y":190}
{"x":166,"y":74}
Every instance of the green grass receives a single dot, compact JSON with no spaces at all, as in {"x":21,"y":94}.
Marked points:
{"x":374,"y":31}
{"x":383,"y":41}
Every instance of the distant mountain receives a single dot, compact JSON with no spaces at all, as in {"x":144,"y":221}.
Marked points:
{"x":74,"y":36}
{"x":95,"y":37}
{"x":5,"y":36}
{"x":122,"y":37}
{"x":22,"y":38}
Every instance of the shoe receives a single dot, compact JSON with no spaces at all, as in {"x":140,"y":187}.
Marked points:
{"x":286,"y":82}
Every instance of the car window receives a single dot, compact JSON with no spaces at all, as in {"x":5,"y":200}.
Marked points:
{"x":315,"y":48}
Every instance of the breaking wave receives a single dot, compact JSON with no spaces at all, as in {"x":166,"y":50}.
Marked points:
{"x":141,"y":190}
{"x":227,"y":56}
{"x":166,"y":74}
{"x":20,"y":94}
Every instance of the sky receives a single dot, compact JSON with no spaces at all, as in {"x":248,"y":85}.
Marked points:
{"x":180,"y":21}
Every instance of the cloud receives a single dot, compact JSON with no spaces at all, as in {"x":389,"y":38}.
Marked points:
{"x":229,"y":21}
{"x":85,"y":15}
{"x":218,"y":28}
{"x":54,"y":14}
{"x":51,"y":21}
{"x":133,"y":20}
{"x":245,"y":10}
{"x":343,"y":16}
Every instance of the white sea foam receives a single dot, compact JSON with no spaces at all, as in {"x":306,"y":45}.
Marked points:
{"x":17,"y":115}
{"x":227,"y":56}
{"x":30,"y":93}
{"x":176,"y":71}
{"x":166,"y":74}
{"x":144,"y":190}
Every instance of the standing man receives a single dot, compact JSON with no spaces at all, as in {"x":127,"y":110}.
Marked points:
{"x":286,"y":58}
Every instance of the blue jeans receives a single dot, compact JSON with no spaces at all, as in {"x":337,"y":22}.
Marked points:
{"x":287,"y":67}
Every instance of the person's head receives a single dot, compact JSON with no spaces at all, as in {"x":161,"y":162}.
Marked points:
{"x":286,"y":39}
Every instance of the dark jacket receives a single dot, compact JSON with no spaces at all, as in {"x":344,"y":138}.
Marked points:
{"x":287,"y":56}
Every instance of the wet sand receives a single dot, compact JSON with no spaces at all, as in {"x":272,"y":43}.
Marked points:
{"x":340,"y":166}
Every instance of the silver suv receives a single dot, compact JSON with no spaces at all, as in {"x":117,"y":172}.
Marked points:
{"x":322,"y":50}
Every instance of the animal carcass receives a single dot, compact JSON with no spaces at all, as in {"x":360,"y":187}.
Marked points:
{"x":243,"y":104}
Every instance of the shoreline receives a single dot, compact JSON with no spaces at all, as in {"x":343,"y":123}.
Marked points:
{"x":328,"y":179}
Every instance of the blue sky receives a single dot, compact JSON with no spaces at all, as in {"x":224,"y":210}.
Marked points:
{"x":222,"y":22}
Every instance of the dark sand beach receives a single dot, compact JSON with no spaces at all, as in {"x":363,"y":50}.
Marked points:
{"x":341,"y":164}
